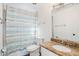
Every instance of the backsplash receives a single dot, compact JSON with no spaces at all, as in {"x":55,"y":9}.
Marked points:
{"x":66,"y":42}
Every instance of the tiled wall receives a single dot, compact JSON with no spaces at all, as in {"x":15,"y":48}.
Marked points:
{"x":1,"y":42}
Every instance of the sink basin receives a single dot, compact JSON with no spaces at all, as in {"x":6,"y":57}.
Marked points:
{"x":61,"y":48}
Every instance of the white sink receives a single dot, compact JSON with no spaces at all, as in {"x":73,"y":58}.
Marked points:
{"x":61,"y":48}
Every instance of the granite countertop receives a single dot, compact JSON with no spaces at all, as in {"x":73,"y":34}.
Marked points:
{"x":48,"y":45}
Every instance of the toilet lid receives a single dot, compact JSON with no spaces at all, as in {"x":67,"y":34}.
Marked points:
{"x":32,"y":47}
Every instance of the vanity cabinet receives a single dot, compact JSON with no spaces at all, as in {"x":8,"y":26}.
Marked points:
{"x":46,"y":52}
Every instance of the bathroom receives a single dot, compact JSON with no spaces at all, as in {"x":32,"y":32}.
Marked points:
{"x":39,"y":29}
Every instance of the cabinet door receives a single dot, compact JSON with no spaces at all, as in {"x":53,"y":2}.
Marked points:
{"x":46,"y":52}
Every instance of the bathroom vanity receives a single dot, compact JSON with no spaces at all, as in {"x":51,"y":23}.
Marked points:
{"x":53,"y":48}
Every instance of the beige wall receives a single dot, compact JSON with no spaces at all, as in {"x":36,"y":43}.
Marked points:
{"x":44,"y":19}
